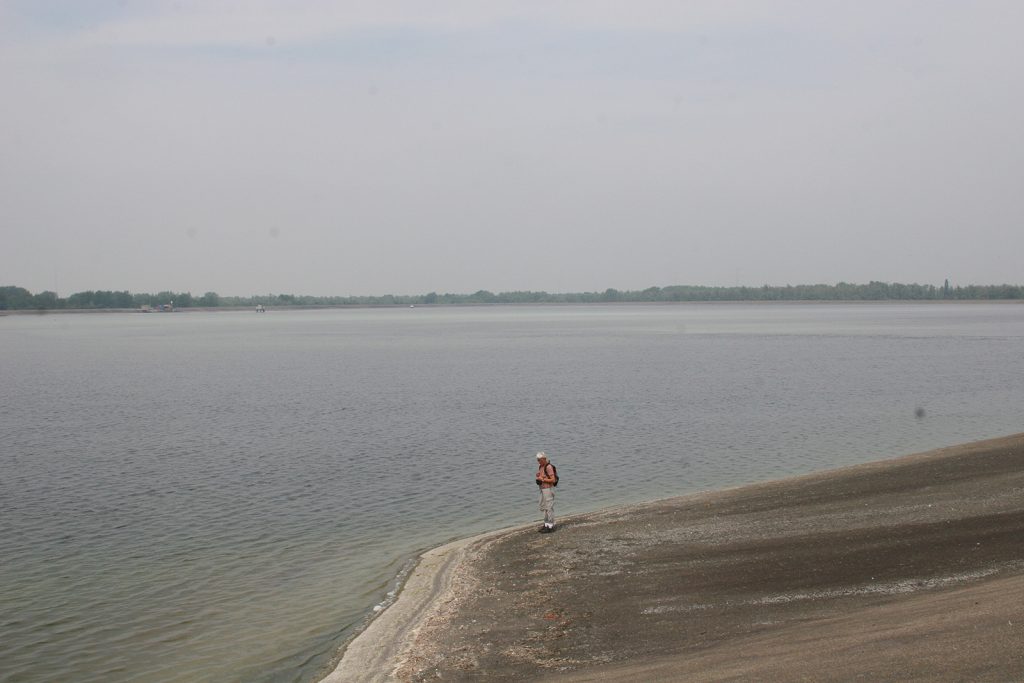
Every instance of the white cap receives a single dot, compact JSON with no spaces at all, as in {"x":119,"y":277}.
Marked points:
{"x":542,"y":454}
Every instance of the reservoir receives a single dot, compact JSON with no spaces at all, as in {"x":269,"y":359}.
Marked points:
{"x":225,"y":496}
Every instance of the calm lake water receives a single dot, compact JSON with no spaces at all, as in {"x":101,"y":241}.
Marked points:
{"x":225,"y":496}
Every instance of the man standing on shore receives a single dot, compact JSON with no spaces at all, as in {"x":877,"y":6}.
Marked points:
{"x":546,"y":481}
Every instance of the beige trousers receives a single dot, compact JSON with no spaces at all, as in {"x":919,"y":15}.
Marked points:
{"x":547,"y":506}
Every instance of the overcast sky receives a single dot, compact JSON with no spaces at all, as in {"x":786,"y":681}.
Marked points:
{"x":265,"y":146}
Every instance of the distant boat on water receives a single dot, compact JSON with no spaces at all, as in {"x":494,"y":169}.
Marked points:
{"x":159,"y":308}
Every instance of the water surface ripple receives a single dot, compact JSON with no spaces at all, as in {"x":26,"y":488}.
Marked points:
{"x":224,"y":496}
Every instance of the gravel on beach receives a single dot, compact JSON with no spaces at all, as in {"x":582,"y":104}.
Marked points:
{"x":906,"y":569}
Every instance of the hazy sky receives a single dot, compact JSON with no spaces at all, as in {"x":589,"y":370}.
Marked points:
{"x":263,"y":146}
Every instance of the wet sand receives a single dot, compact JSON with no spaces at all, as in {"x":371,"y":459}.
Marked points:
{"x":906,"y":569}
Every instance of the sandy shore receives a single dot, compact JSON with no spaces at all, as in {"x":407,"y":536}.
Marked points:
{"x":907,"y":569}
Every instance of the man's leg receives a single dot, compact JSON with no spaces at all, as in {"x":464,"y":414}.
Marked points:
{"x":547,"y":506}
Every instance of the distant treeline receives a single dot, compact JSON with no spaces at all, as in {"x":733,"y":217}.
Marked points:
{"x":12,"y":298}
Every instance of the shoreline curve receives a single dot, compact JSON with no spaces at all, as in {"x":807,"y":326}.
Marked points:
{"x":380,"y":648}
{"x":783,"y":568}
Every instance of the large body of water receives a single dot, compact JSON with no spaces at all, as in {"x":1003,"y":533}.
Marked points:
{"x":225,"y":496}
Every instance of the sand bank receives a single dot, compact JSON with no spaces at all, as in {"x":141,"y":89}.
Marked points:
{"x":907,"y":569}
